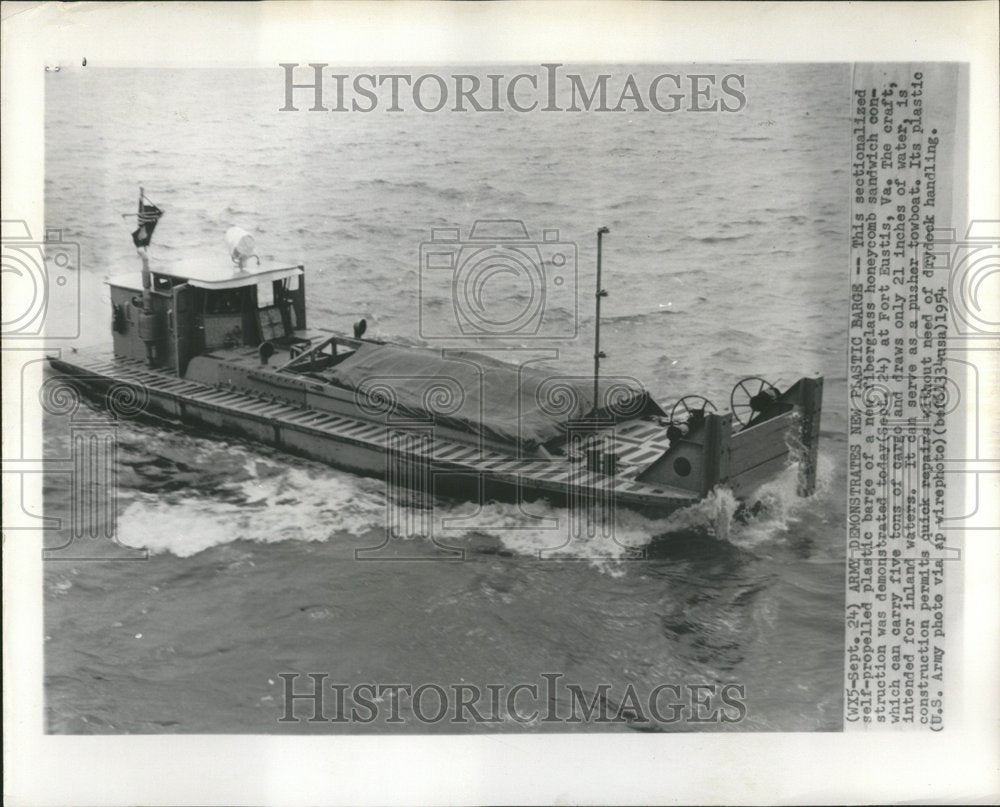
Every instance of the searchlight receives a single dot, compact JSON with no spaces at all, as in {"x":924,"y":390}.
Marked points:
{"x":241,"y":246}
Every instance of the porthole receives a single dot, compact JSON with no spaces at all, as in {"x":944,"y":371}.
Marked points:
{"x":682,"y":466}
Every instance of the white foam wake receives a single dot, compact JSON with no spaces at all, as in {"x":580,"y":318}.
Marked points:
{"x":266,"y":504}
{"x":293,"y":505}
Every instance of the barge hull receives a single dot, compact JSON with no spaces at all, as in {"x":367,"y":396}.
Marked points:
{"x":403,"y":457}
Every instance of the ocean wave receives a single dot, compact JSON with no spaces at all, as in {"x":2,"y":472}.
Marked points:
{"x":715,"y":239}
{"x":718,"y":516}
{"x":780,"y":506}
{"x":300,"y":505}
{"x":639,"y":317}
{"x":296,"y":505}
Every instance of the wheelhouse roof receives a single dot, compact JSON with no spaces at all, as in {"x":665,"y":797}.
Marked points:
{"x":216,"y":275}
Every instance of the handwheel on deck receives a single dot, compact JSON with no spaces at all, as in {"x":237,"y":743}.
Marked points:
{"x":751,"y":396}
{"x":687,"y":408}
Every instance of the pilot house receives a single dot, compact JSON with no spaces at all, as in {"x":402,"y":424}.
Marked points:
{"x":206,"y":308}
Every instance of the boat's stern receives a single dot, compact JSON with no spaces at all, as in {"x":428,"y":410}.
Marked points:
{"x":742,"y":448}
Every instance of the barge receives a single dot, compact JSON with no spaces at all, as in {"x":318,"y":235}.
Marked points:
{"x":226,"y":346}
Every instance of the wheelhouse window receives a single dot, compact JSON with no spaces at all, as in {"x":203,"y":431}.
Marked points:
{"x":228,"y":301}
{"x":265,"y":294}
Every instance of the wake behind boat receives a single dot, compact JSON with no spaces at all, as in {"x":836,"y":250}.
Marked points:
{"x":226,"y":347}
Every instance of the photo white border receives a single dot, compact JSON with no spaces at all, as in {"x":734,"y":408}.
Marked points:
{"x":958,"y":765}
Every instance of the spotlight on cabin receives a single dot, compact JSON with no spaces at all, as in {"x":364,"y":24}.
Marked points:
{"x":241,"y":246}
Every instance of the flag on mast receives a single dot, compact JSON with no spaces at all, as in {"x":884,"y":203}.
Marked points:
{"x":148,"y":215}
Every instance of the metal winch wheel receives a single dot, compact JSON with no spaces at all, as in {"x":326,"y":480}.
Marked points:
{"x":683,"y":414}
{"x":750,"y":397}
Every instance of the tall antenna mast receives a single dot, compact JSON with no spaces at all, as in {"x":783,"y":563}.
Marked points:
{"x":147,"y":284}
{"x":598,"y":354}
{"x":147,"y":279}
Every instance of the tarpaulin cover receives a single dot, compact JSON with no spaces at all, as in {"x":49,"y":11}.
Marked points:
{"x":526,"y":405}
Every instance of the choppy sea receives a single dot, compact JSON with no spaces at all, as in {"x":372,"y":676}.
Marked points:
{"x":727,"y":257}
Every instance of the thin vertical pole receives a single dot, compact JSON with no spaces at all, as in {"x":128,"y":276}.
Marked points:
{"x":598,"y":355}
{"x":147,"y":280}
{"x":147,"y":290}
